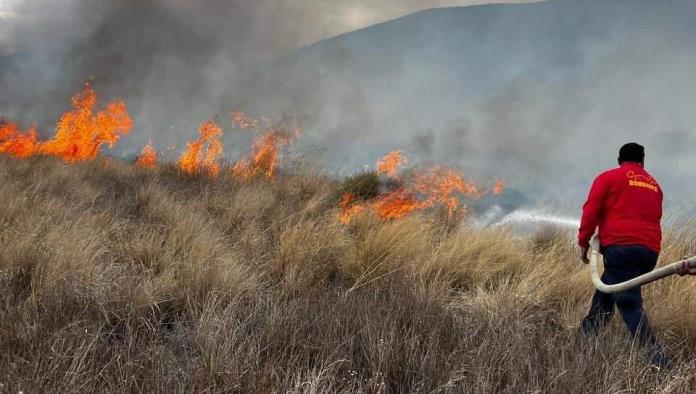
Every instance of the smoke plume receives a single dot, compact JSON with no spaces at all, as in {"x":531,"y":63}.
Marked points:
{"x":541,"y":95}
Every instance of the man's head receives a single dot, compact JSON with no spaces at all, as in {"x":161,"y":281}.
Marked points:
{"x":632,"y":152}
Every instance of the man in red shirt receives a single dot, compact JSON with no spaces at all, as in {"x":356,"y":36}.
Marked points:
{"x":626,"y":204}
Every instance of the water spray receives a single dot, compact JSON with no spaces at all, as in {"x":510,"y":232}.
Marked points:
{"x":538,"y":217}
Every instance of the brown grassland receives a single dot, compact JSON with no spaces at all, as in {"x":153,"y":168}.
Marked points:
{"x":120,"y":279}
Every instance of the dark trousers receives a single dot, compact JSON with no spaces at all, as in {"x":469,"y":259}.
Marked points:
{"x":622,"y":263}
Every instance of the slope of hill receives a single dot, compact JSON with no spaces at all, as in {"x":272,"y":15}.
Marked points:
{"x":120,"y":279}
{"x":543,"y":93}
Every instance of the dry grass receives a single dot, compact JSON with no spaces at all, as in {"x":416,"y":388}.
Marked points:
{"x":114,"y":278}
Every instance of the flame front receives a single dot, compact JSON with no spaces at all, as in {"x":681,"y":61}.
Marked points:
{"x":424,"y":189}
{"x":82,"y":132}
{"x":197,"y":159}
{"x":389,"y":164}
{"x":397,"y":204}
{"x":499,"y":187}
{"x":79,"y":135}
{"x":420,"y":189}
{"x":15,"y":142}
{"x":350,"y":206}
{"x":266,"y":148}
{"x":147,"y":157}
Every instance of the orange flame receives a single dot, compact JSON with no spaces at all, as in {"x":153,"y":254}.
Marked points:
{"x":15,"y":142}
{"x":499,"y":187}
{"x":397,"y":204}
{"x":350,"y":207}
{"x":79,"y":135}
{"x":266,"y":149}
{"x":440,"y":185}
{"x":147,"y":157}
{"x":243,"y":121}
{"x":390,"y":163}
{"x":424,"y":189}
{"x":421,"y":189}
{"x":194,"y":159}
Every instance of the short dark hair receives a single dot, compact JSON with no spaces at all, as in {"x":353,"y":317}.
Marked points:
{"x":632,"y":152}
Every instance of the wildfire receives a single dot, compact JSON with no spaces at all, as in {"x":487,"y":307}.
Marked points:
{"x":424,"y":189}
{"x":390,"y":163}
{"x":350,"y":207}
{"x":499,"y":187}
{"x":266,"y":148}
{"x":197,"y":159}
{"x":397,"y":204}
{"x":79,"y":134}
{"x":244,"y":121}
{"x":147,"y":157}
{"x":15,"y":142}
{"x":418,"y":190}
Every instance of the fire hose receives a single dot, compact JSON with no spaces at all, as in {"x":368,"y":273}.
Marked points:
{"x":682,"y":267}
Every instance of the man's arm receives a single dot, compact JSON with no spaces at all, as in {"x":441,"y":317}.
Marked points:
{"x":592,"y":213}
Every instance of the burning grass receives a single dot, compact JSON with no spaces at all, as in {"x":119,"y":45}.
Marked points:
{"x":79,"y":134}
{"x":203,"y":155}
{"x":118,"y":279}
{"x":402,"y":194}
{"x":147,"y":157}
{"x":263,"y":159}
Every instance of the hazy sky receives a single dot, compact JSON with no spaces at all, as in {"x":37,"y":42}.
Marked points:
{"x":291,"y":23}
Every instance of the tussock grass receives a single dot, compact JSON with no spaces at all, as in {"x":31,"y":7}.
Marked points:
{"x":114,"y":278}
{"x":364,"y":185}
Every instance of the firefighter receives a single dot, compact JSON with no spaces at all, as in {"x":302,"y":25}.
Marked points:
{"x":626,"y":204}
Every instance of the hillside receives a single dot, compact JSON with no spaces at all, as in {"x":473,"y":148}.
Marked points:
{"x":118,"y":278}
{"x":544,"y":92}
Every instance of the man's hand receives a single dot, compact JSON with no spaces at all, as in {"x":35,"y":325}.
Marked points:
{"x":686,"y":269}
{"x":583,"y":254}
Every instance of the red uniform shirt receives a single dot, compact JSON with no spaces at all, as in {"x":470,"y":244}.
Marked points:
{"x":626,"y":204}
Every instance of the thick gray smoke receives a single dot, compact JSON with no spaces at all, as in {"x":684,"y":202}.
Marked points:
{"x":175,"y":62}
{"x":171,"y":68}
{"x":540,"y":95}
{"x":551,"y":136}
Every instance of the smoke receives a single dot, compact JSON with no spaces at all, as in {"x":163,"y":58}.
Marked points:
{"x":158,"y":56}
{"x":540,"y":95}
{"x":558,"y":134}
{"x":175,"y":62}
